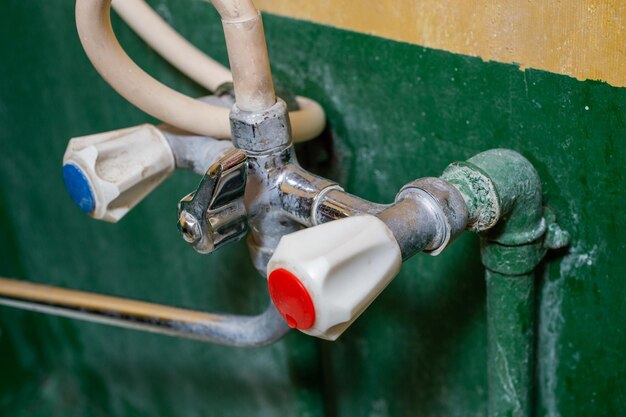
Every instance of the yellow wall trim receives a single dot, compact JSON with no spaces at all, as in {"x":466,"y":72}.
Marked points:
{"x":582,"y":38}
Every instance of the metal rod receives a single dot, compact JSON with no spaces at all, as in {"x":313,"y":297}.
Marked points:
{"x":231,"y":330}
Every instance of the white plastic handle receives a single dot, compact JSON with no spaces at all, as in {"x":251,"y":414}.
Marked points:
{"x":107,"y":174}
{"x":322,"y":278}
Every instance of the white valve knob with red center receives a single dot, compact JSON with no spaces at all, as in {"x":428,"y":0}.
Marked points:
{"x":322,"y":278}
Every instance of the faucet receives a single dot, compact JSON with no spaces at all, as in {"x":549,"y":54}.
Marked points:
{"x":326,"y":253}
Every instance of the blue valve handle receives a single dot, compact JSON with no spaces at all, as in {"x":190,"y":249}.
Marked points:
{"x":78,"y":188}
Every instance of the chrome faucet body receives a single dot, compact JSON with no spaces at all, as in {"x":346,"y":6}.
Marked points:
{"x":281,"y":197}
{"x":254,"y":187}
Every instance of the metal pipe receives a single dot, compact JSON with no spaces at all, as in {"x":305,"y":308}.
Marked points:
{"x":194,"y":153}
{"x":415,"y":225}
{"x":502,"y":191}
{"x":413,"y":221}
{"x":335,"y":204}
{"x":427,"y":214}
{"x":510,"y":324}
{"x":223,"y":329}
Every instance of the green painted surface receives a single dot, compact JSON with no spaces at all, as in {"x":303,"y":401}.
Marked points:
{"x":397,"y":112}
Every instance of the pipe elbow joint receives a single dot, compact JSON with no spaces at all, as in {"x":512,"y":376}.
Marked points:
{"x":502,"y":191}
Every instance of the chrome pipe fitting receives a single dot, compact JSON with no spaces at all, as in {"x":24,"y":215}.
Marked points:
{"x":445,"y":203}
{"x":267,"y":219}
{"x":194,"y":153}
{"x":281,"y":197}
{"x":261,"y":132}
{"x":334,"y":204}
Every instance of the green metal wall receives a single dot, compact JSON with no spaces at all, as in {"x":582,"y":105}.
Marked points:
{"x":397,"y":112}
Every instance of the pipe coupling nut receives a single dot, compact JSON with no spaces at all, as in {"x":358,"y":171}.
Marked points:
{"x":263,"y":131}
{"x":450,"y":207}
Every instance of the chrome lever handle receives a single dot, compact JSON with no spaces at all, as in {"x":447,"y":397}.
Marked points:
{"x":214,"y":214}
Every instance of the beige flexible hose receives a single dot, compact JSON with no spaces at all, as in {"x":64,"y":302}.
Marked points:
{"x":131,"y":82}
{"x":156,"y":99}
{"x":308,"y":122}
{"x":168,"y":43}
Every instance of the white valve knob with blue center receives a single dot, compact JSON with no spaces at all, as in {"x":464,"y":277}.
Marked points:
{"x":107,"y":174}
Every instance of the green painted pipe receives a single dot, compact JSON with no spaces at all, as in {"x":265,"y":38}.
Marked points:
{"x":502,"y":191}
{"x":510,"y":321}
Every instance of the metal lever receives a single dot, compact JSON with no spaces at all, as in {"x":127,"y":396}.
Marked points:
{"x":214,"y":214}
